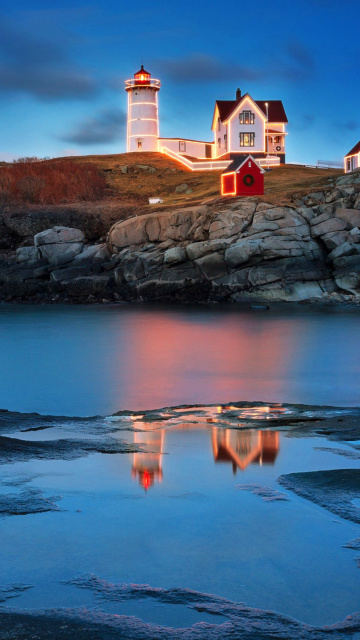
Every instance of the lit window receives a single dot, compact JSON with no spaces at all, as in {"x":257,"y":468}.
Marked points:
{"x":247,"y":139}
{"x":182,"y":145}
{"x":139,"y":144}
{"x":277,"y":140}
{"x":246,"y":117}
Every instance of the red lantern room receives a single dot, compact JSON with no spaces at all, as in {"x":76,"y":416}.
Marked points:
{"x":142,"y":77}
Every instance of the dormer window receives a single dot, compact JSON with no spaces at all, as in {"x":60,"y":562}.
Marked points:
{"x":246,"y":117}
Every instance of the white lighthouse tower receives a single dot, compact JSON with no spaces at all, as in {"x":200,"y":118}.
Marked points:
{"x":143,"y":116}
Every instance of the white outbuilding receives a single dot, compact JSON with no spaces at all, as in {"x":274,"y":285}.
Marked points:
{"x":352,"y":159}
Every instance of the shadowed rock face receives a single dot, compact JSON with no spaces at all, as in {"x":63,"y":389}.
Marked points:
{"x":230,"y":251}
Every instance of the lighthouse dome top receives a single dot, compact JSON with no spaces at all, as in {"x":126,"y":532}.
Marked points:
{"x":142,"y":74}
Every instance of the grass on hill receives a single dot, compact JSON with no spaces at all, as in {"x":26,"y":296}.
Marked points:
{"x":131,"y":178}
{"x":138,"y":184}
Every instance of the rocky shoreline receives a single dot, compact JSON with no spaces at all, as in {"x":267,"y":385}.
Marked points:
{"x":235,"y":250}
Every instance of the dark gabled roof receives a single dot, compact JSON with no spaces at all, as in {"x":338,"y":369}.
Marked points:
{"x":225,"y":108}
{"x":354,"y":150}
{"x":276,"y":109}
{"x":239,"y":161}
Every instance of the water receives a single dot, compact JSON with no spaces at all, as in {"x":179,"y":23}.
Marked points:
{"x":97,"y":360}
{"x":176,"y":516}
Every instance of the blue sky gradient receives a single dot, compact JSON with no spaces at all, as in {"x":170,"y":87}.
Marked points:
{"x":62,"y":70}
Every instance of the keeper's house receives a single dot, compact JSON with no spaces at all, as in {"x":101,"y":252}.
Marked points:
{"x":352,"y":159}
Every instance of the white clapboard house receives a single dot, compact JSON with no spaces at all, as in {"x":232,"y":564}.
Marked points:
{"x":239,"y":126}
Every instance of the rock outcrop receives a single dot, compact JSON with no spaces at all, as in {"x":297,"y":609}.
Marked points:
{"x":229,"y":250}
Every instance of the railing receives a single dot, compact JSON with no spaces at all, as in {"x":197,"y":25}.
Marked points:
{"x":205,"y":165}
{"x":155,"y":84}
{"x":268,"y":161}
{"x":329,"y":164}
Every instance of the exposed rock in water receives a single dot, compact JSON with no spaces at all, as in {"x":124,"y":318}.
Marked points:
{"x":335,"y":490}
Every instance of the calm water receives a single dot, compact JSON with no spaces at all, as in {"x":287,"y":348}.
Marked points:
{"x":97,"y":360}
{"x":176,"y":516}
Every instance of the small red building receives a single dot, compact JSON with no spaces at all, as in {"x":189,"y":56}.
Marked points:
{"x":243,"y":177}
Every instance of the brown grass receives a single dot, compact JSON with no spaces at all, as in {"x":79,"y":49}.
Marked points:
{"x":47,"y":182}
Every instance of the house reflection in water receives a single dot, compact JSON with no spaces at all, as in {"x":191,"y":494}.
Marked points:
{"x":241,"y":448}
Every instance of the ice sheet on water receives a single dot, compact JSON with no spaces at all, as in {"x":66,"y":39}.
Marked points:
{"x":240,"y":620}
{"x":335,"y":490}
{"x":26,"y":502}
{"x":14,"y":590}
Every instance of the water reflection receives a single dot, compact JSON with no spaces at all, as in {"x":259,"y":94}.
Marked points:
{"x":241,"y":448}
{"x":238,"y":448}
{"x":112,"y":358}
{"x":147,"y":467}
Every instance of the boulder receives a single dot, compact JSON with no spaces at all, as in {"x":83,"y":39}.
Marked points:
{"x":183,"y":188}
{"x":345,"y":249}
{"x":242,"y":251}
{"x":351,"y":217}
{"x":27,"y":254}
{"x":229,"y":223}
{"x":327,"y":226}
{"x":175,"y":254}
{"x":196,"y":250}
{"x":178,"y":225}
{"x":212,"y":265}
{"x":58,"y":235}
{"x":60,"y":253}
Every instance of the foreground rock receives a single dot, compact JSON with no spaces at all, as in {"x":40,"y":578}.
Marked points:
{"x":229,"y":251}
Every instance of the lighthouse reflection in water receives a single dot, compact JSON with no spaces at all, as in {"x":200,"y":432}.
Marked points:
{"x":237,"y":448}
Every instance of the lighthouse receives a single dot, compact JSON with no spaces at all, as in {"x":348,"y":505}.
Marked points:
{"x":143,"y":113}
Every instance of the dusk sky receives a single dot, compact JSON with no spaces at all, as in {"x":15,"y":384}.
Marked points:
{"x":62,"y":70}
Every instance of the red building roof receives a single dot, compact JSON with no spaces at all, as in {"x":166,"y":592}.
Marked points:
{"x":354,"y":150}
{"x":275,"y":107}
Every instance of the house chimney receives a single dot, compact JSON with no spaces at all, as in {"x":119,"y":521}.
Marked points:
{"x":238,"y":94}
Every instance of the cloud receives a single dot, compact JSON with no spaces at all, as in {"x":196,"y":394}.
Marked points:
{"x":199,"y":67}
{"x":294,"y":62}
{"x":303,"y":122}
{"x":38,"y":65}
{"x":300,"y":55}
{"x":104,"y":127}
{"x":350,"y":125}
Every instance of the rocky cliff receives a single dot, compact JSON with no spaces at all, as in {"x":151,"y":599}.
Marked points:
{"x":228,"y":250}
